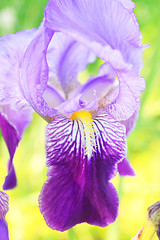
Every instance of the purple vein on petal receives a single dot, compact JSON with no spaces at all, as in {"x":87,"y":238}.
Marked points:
{"x":84,"y":193}
{"x":4,"y":200}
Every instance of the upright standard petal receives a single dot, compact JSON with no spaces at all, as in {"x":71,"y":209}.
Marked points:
{"x":12,"y":125}
{"x":52,"y":97}
{"x":98,"y":24}
{"x":66,"y":59}
{"x":82,"y":156}
{"x":100,"y":85}
{"x":3,"y":210}
{"x":109,"y":29}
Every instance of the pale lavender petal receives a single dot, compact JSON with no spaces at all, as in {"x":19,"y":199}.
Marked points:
{"x":78,"y":102}
{"x":106,"y":69}
{"x":12,"y":49}
{"x":127,"y":4}
{"x":34,"y":73}
{"x":52,"y":97}
{"x":101,"y":85}
{"x":131,"y":122}
{"x":111,"y":96}
{"x":125,"y":168}
{"x":89,"y":104}
{"x":18,"y":119}
{"x":122,"y":95}
{"x":103,"y":26}
{"x":113,"y":86}
{"x":13,"y":117}
{"x":66,"y":59}
{"x":130,"y":90}
{"x":83,"y":193}
{"x":3,"y":210}
{"x":109,"y":29}
{"x":12,"y":125}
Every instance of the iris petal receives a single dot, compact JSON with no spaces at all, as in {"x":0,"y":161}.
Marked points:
{"x":34,"y":73}
{"x":65,"y":136}
{"x":113,"y":35}
{"x":130,"y":90}
{"x":4,"y":199}
{"x":114,"y":25}
{"x":12,"y":49}
{"x":77,"y":189}
{"x":66,"y":58}
{"x":102,"y":85}
{"x":3,"y":230}
{"x":77,"y":102}
{"x":3,"y":210}
{"x":74,"y":195}
{"x":131,"y":122}
{"x":12,"y":125}
{"x":52,"y":97}
{"x":125,"y":168}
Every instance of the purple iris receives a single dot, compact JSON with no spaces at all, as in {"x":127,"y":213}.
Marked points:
{"x":3,"y":210}
{"x":89,"y":122}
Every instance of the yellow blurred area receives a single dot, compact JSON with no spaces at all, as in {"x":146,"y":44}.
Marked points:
{"x":137,"y":193}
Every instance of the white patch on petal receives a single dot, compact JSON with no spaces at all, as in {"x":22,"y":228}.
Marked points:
{"x":85,"y":119}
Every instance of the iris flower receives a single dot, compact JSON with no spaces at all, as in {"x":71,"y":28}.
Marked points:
{"x":87,"y":123}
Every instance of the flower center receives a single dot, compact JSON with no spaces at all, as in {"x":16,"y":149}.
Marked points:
{"x":89,"y":133}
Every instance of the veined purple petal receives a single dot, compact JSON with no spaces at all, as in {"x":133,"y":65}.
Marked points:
{"x":66,"y":59}
{"x":103,"y":26}
{"x":81,"y":164}
{"x":3,"y":210}
{"x":4,"y":200}
{"x":12,"y":125}
{"x":109,"y":138}
{"x":12,"y":49}
{"x":90,"y":200}
{"x":125,"y":168}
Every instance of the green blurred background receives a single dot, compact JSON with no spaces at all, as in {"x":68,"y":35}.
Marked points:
{"x":135,"y":193}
